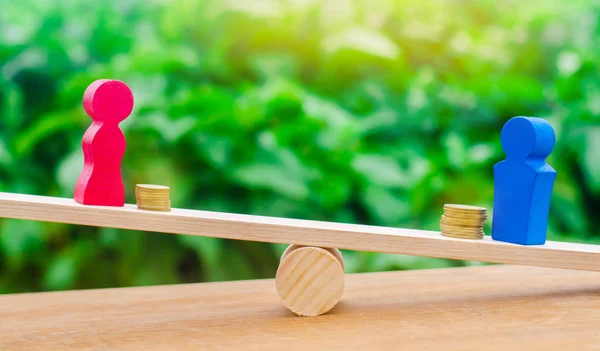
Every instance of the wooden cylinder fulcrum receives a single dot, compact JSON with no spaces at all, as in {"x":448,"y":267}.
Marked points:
{"x":310,"y":280}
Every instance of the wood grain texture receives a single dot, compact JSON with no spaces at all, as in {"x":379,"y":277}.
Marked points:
{"x":476,"y":308}
{"x":335,"y":252}
{"x":310,"y":280}
{"x":301,"y":232}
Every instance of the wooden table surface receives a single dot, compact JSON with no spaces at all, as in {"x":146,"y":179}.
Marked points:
{"x":476,"y":308}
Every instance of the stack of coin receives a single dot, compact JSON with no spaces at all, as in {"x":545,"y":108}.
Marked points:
{"x":463,"y":221}
{"x":153,"y":197}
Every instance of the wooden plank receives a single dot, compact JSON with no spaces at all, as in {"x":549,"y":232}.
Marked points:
{"x":475,"y":308}
{"x":303,"y":232}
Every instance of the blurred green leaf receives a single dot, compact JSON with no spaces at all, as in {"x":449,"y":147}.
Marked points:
{"x":171,"y":130}
{"x":273,"y":177}
{"x":457,"y":150}
{"x":68,"y":171}
{"x":20,"y":239}
{"x":43,"y":128}
{"x":273,"y":65}
{"x":12,"y":105}
{"x":363,"y":40}
{"x":216,"y":149}
{"x":209,"y":249}
{"x":5,"y":156}
{"x":379,"y":169}
{"x":567,"y":206}
{"x":385,"y":206}
{"x":591,"y":159}
{"x":275,"y":168}
{"x":61,"y":272}
{"x":326,"y":111}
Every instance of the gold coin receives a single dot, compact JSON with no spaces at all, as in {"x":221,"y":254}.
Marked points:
{"x":154,"y":193}
{"x":462,"y":222}
{"x":455,"y":229}
{"x":159,"y":196}
{"x":144,"y":196}
{"x":462,"y":236}
{"x":468,"y":216}
{"x":152,"y":187}
{"x":458,"y":232}
{"x":153,"y":200}
{"x":164,"y":198}
{"x":454,"y":210}
{"x":461,"y":230}
{"x":163,"y":203}
{"x":459,"y":212}
{"x":465,"y":208}
{"x":153,"y":197}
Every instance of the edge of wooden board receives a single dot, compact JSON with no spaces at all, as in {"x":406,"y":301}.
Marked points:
{"x":302,"y":232}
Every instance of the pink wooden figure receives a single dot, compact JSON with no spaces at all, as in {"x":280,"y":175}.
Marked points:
{"x":107,"y":102}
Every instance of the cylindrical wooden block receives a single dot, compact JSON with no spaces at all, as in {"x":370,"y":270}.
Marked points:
{"x":310,"y":280}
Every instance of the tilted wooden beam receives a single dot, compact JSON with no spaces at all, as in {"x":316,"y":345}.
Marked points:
{"x":303,"y":232}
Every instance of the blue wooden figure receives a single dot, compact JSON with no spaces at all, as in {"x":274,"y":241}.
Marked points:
{"x":523,"y":182}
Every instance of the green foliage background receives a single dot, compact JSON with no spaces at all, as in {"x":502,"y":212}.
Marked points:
{"x":373,"y":112}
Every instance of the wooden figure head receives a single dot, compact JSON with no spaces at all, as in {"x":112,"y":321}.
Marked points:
{"x":108,"y":101}
{"x":527,"y":138}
